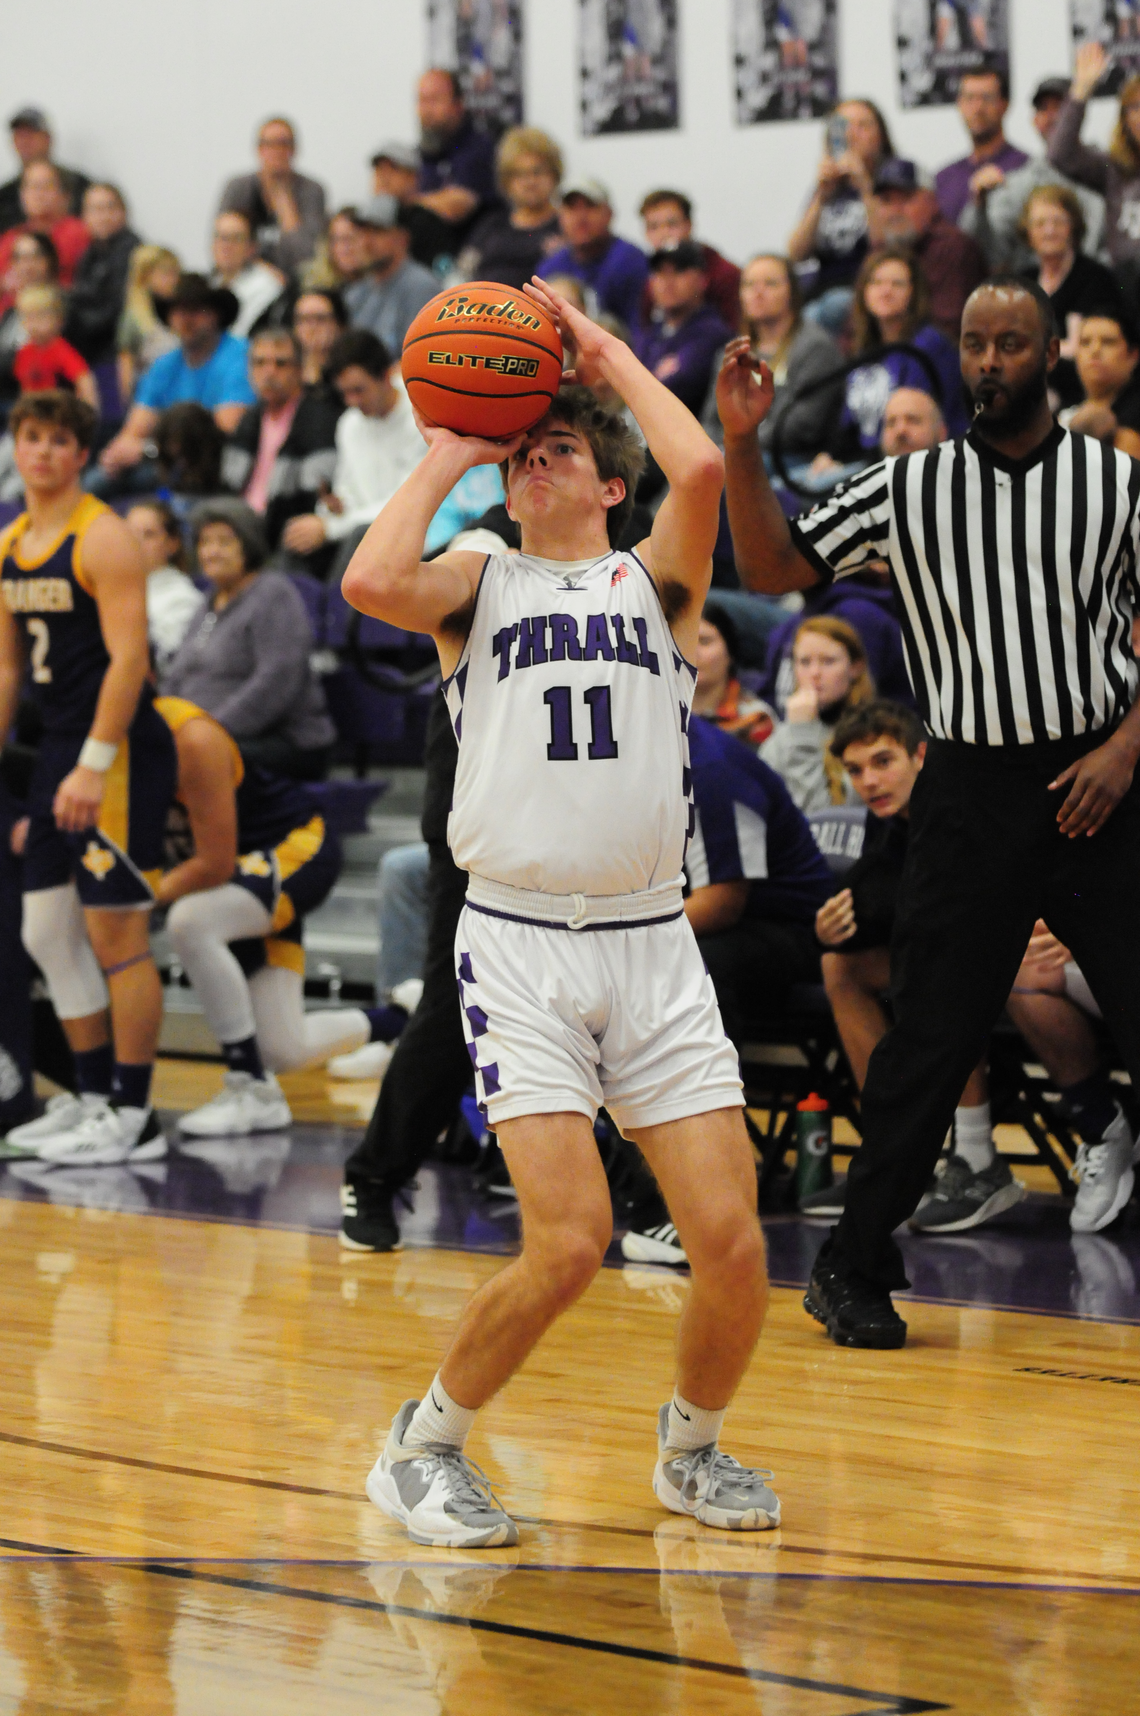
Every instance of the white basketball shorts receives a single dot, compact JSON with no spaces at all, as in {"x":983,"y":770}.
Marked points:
{"x":561,"y":1020}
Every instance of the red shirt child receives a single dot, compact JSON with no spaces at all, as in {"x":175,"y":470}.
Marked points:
{"x":48,"y":360}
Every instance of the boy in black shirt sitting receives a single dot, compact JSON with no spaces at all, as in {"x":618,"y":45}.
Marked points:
{"x":882,"y":747}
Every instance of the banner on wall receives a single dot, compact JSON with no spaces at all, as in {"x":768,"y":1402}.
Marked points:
{"x":481,"y":40}
{"x":785,"y":58}
{"x":941,"y":40}
{"x":1116,"y":24}
{"x":628,"y":66}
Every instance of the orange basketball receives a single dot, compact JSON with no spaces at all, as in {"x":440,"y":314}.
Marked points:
{"x":482,"y":360}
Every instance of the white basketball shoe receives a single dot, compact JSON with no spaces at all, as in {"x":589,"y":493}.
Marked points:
{"x":243,"y":1105}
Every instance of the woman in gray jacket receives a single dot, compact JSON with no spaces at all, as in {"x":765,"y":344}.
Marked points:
{"x":832,"y":676}
{"x":245,"y":659}
{"x":797,"y":351}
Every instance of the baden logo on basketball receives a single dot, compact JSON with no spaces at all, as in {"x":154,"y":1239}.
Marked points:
{"x":480,"y":363}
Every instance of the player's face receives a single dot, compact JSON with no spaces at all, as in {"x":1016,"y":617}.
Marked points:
{"x":823,"y":664}
{"x":883,"y":773}
{"x":1105,"y":361}
{"x":553,"y":475}
{"x":48,"y":457}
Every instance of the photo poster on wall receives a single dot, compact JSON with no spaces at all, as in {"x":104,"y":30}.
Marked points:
{"x":1116,"y":24}
{"x":628,"y":66}
{"x":939,"y":41}
{"x":784,"y":53}
{"x":482,"y":41}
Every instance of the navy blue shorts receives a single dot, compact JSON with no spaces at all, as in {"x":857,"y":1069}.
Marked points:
{"x":290,"y":880}
{"x":117,"y":863}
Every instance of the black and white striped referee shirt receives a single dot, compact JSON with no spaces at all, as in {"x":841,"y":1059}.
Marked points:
{"x":1016,"y":580}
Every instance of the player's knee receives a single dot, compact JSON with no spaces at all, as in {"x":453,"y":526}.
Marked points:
{"x":570,"y":1258}
{"x":182,"y":923}
{"x":730,"y":1253}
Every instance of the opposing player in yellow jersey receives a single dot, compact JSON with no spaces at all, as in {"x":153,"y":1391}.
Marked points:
{"x":73,"y":619}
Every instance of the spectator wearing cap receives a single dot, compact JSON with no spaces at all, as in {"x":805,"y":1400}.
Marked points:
{"x":396,"y":173}
{"x":610,"y":268}
{"x":45,"y":209}
{"x":395,"y":289}
{"x":507,"y":244}
{"x":905,"y":212}
{"x":32,"y":140}
{"x":667,"y":217}
{"x":254,"y":283}
{"x":209,"y":366}
{"x":99,"y":289}
{"x":983,"y":101}
{"x":457,"y":161}
{"x":997,"y":200}
{"x":679,"y":344}
{"x":281,"y":456}
{"x":286,"y":211}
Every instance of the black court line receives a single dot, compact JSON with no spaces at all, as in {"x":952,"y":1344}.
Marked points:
{"x":69,"y":1451}
{"x":881,"y":1703}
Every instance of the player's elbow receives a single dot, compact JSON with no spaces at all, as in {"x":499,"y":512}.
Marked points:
{"x":369,"y":585}
{"x":703,"y":475}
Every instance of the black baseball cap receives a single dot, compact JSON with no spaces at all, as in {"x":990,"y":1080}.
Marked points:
{"x":1050,"y":89}
{"x":897,"y":175}
{"x":29,"y":119}
{"x":683,"y":255}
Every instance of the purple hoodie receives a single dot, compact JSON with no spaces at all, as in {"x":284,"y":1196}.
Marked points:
{"x":870,"y":608}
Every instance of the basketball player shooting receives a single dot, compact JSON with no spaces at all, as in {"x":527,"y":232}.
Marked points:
{"x":74,"y":612}
{"x":579,"y":977}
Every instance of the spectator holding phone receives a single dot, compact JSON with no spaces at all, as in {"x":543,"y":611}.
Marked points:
{"x":832,"y":238}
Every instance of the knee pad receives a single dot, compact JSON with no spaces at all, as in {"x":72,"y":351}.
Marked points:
{"x":55,"y":935}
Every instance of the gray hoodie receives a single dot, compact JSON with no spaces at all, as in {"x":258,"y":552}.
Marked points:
{"x":247,"y":665}
{"x":795,"y":750}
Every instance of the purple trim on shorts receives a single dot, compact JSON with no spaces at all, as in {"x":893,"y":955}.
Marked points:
{"x":540,"y":923}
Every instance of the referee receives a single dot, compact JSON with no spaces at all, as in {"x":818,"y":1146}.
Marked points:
{"x":1013,"y":554}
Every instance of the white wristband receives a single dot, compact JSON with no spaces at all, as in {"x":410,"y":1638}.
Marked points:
{"x":98,"y":755}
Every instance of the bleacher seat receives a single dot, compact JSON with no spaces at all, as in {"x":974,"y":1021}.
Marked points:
{"x":345,"y":804}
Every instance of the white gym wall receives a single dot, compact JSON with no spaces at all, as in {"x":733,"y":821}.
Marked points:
{"x":165,"y":99}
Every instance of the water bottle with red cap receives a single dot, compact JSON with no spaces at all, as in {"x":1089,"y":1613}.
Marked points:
{"x":813,"y":1146}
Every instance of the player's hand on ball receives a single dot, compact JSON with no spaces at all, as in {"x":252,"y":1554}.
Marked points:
{"x":78,"y":800}
{"x":745,"y":390}
{"x":468,"y":450}
{"x":587,"y":340}
{"x":1096,"y":786}
{"x":835,"y":921}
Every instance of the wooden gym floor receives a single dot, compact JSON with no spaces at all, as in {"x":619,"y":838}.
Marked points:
{"x":196,"y":1389}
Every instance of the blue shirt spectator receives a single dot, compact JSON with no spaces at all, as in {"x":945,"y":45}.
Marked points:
{"x":223,"y":379}
{"x":610,"y":268}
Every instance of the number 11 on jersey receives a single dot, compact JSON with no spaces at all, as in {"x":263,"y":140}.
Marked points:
{"x":562,"y":747}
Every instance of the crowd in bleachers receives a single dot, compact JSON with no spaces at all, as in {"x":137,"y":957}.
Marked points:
{"x":253,"y":423}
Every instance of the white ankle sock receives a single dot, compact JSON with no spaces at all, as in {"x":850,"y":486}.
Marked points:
{"x":437,"y":1418}
{"x":691,"y":1426}
{"x":973,"y":1136}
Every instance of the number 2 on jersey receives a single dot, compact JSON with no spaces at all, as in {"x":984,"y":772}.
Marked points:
{"x":562,"y":748}
{"x":41,"y":641}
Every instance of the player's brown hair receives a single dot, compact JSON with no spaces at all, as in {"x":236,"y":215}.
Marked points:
{"x":54,"y":405}
{"x":617,"y":450}
{"x":879,"y":719}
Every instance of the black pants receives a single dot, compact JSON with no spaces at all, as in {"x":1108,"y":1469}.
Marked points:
{"x":431,"y":1068}
{"x":985,"y":860}
{"x":754,"y":964}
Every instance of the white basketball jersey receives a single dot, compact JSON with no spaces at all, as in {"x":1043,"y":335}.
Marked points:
{"x":571,"y":706}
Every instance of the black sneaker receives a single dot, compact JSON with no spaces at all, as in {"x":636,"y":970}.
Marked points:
{"x":827,"y":1204}
{"x":368,"y":1221}
{"x":960,"y":1198}
{"x":853,"y":1314}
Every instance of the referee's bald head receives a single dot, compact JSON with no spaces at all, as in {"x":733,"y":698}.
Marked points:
{"x":1012,"y":285}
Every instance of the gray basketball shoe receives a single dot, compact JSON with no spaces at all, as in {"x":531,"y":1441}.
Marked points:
{"x":711,"y":1486}
{"x":437,"y":1493}
{"x":961,"y":1199}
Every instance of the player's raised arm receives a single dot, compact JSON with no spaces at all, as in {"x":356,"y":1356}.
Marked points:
{"x":766,"y":557}
{"x":387,"y":577}
{"x":685,"y":529}
{"x":113,"y":565}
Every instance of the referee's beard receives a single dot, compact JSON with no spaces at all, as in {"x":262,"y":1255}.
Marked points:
{"x":1001,"y":410}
